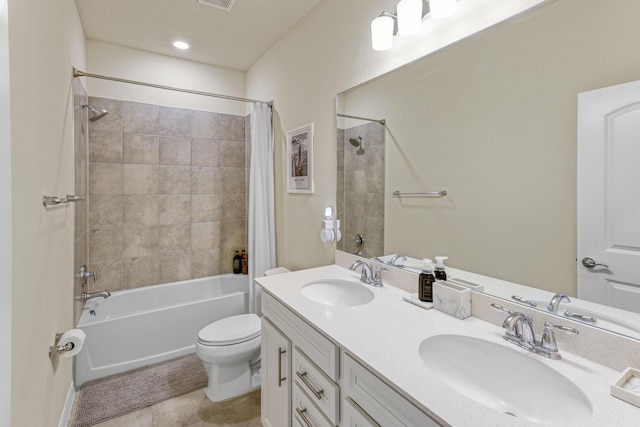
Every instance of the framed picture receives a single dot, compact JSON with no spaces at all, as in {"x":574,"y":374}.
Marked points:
{"x":300,"y":160}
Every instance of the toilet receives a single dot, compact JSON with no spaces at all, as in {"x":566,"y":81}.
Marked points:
{"x":230,"y":351}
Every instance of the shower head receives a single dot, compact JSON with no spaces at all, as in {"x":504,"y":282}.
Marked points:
{"x":95,"y":114}
{"x":357,"y":142}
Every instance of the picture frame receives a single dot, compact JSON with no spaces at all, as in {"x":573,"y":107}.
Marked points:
{"x":300,"y":160}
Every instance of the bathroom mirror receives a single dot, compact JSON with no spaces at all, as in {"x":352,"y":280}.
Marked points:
{"x":492,"y":120}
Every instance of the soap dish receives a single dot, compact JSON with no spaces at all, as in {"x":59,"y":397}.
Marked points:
{"x":413,"y":299}
{"x":627,"y":387}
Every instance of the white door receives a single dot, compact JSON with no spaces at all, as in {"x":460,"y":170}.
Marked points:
{"x":609,"y":196}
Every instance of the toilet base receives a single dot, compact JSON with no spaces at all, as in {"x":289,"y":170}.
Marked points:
{"x":225,"y":383}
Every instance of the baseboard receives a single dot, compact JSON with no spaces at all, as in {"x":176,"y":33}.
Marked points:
{"x":68,"y":406}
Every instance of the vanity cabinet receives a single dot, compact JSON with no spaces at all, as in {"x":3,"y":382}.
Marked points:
{"x":324,"y":386}
{"x":276,"y":381}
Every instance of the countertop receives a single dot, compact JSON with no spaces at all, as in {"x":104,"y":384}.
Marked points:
{"x":385,"y":335}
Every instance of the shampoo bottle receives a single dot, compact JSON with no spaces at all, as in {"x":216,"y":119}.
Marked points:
{"x":237,"y":267}
{"x":440,"y":273}
{"x":425,"y":282}
{"x":245,"y":262}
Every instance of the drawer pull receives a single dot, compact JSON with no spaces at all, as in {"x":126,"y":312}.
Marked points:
{"x":303,"y":376}
{"x":303,"y":414}
{"x":281,"y":351}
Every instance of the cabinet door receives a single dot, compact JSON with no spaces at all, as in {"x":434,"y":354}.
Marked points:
{"x":276,"y":377}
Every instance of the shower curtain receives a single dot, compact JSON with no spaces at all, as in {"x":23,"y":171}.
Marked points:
{"x":262,"y":237}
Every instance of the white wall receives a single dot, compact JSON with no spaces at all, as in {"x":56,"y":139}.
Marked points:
{"x":45,"y":40}
{"x":5,"y":219}
{"x":328,"y":52}
{"x":131,"y":64}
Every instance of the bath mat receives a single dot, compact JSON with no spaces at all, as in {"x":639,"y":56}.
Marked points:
{"x":119,"y":394}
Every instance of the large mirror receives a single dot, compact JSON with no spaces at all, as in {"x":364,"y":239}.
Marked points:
{"x":493,"y":121}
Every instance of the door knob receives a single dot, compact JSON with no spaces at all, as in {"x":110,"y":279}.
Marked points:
{"x":590,"y":263}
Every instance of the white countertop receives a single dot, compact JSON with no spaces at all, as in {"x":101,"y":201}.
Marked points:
{"x":385,"y":334}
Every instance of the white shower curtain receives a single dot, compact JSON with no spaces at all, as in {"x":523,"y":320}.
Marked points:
{"x":262,"y":236}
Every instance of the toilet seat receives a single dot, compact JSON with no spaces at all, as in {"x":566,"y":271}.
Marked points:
{"x":230,"y":330}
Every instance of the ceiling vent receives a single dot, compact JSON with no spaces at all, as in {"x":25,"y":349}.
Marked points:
{"x":225,"y":5}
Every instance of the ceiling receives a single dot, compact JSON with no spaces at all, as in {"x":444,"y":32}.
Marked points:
{"x":234,"y":39}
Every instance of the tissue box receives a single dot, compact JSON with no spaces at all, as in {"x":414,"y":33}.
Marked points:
{"x":452,"y":299}
{"x":627,"y":387}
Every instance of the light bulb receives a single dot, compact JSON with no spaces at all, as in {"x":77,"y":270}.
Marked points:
{"x":442,"y":8}
{"x":409,"y":16}
{"x":180,"y":45}
{"x":382,"y":33}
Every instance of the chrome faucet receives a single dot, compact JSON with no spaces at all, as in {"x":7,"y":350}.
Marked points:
{"x":84,"y":274}
{"x":86,"y":296}
{"x":395,"y":258}
{"x":368,"y":277}
{"x":555,"y":302}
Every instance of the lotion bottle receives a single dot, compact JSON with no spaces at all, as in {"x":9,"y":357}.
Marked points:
{"x":425,"y":282}
{"x":440,"y":273}
{"x":237,"y":260}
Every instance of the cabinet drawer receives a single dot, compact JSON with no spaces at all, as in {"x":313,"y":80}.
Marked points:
{"x":320,"y":389}
{"x":305,"y":412}
{"x":317,"y":347}
{"x":386,"y":406}
{"x":354,"y":416}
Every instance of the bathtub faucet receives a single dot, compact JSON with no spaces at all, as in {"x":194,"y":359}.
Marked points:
{"x":86,"y":296}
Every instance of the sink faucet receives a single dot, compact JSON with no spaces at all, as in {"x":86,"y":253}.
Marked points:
{"x":395,"y":258}
{"x":555,"y":302}
{"x":86,"y":296}
{"x":368,"y":277}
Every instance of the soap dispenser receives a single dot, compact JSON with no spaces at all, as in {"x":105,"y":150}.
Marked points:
{"x":440,"y":273}
{"x":425,"y":282}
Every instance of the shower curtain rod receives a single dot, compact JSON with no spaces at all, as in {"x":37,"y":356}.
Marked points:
{"x":381,"y":121}
{"x":78,"y":73}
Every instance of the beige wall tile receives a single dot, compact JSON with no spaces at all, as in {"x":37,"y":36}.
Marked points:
{"x":233,"y":207}
{"x":205,"y":152}
{"x":205,"y":180}
{"x":109,"y":275}
{"x":141,"y":272}
{"x":175,"y":268}
{"x":205,"y":263}
{"x":140,"y":179}
{"x":175,"y":239}
{"x":174,"y":210}
{"x":205,"y":208}
{"x":105,"y":211}
{"x":232,"y":128}
{"x":232,"y":154}
{"x":105,"y":245}
{"x":105,"y":147}
{"x":205,"y":125}
{"x":174,"y":180}
{"x":174,"y":121}
{"x":140,"y":210}
{"x":232,"y":233}
{"x":205,"y":235}
{"x":139,"y":118}
{"x":175,"y":151}
{"x":105,"y":179}
{"x":140,"y":242}
{"x":232,"y":180}
{"x":140,"y":149}
{"x":109,"y":123}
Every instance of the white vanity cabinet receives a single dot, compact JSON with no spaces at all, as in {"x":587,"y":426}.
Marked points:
{"x":276,"y":381}
{"x":325,"y":386}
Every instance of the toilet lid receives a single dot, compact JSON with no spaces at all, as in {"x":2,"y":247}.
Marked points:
{"x":231,"y":330}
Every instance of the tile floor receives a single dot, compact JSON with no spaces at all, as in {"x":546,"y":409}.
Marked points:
{"x":194,"y":410}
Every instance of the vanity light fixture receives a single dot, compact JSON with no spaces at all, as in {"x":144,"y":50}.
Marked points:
{"x":178,"y":44}
{"x":409,"y":19}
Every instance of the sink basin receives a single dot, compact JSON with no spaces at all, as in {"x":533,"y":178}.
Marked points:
{"x":506,"y":380}
{"x":342,"y":293}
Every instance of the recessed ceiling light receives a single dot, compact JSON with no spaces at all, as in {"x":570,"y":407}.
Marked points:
{"x":180,"y":45}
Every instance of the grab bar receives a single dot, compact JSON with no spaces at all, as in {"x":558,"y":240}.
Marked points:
{"x":440,"y":193}
{"x":56,"y":200}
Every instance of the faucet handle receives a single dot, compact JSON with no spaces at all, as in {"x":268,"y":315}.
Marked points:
{"x":548,"y":341}
{"x":377,"y":277}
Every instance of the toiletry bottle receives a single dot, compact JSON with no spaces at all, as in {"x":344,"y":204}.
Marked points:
{"x":425,"y":282}
{"x":440,"y":273}
{"x":237,"y":268}
{"x":245,"y":262}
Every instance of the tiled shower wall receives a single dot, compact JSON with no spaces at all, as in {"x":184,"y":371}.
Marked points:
{"x":80,"y":139}
{"x":168,"y":193}
{"x":361,"y":189}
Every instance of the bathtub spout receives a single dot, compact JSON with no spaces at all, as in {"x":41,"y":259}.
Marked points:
{"x":86,"y":296}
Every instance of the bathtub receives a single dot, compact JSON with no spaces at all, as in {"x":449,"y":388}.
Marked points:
{"x":138,"y":327}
